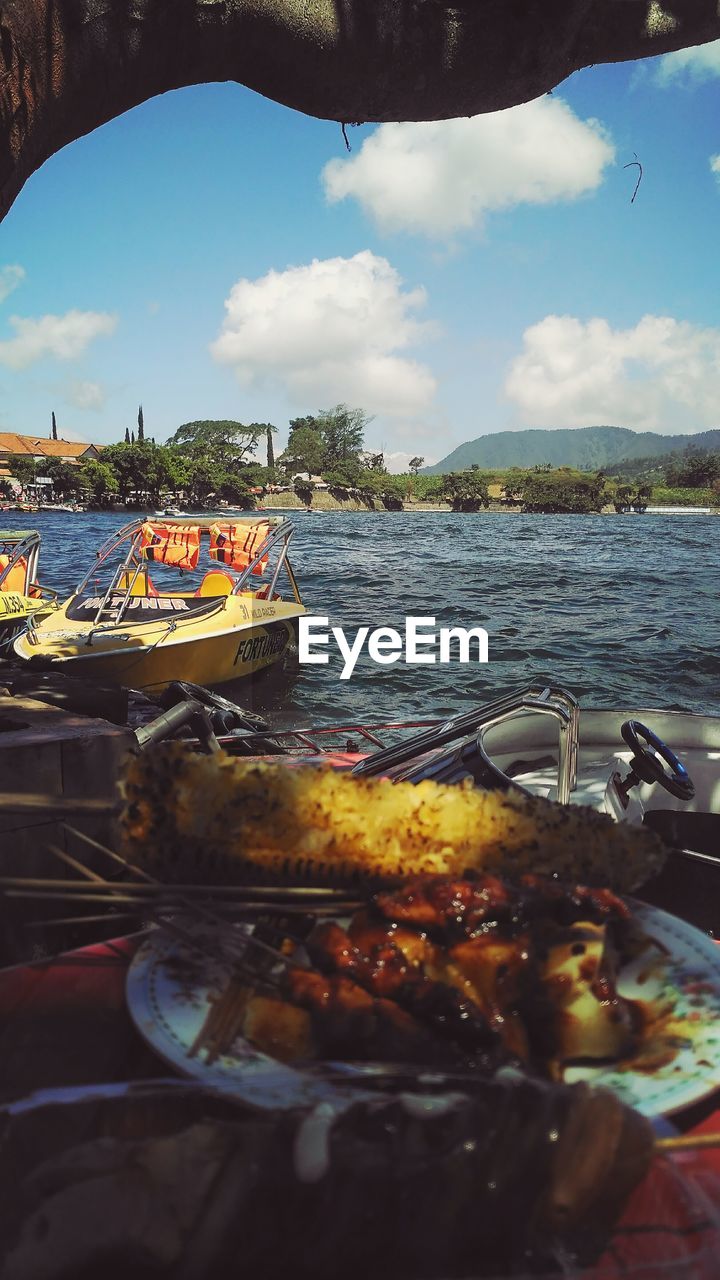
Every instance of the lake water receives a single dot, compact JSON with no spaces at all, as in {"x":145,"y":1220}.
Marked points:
{"x":621,"y":610}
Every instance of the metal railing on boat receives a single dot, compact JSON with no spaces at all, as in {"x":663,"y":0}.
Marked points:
{"x":469,"y":729}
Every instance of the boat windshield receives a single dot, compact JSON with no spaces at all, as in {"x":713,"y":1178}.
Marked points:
{"x":207,"y":559}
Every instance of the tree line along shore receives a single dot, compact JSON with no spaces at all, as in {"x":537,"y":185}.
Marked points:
{"x":325,"y":466}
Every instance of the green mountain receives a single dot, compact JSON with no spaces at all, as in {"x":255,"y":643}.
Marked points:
{"x":586,"y":448}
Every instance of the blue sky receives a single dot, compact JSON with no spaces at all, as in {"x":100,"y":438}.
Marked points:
{"x":212,"y":254}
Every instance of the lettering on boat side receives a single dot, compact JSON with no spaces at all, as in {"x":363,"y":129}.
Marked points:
{"x":143,"y":603}
{"x":11,"y":603}
{"x":253,"y":648}
{"x":386,"y":645}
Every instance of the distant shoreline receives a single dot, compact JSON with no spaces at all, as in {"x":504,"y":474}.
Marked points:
{"x":323,"y":503}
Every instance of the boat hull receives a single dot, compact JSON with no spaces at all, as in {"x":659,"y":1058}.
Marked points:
{"x":16,"y":611}
{"x":237,"y":640}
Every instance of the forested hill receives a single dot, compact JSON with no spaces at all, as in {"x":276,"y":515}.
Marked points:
{"x":585,"y":448}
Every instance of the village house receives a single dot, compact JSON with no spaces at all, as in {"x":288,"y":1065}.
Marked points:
{"x":41,"y":450}
{"x":305,"y":477}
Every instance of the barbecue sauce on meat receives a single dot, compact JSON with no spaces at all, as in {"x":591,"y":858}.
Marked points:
{"x":376,"y":962}
{"x":470,"y":972}
{"x":349,"y":1022}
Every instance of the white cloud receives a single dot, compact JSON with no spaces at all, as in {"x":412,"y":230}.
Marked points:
{"x":690,"y":66}
{"x":443,"y":176}
{"x":329,"y":332}
{"x":398,"y":461}
{"x":61,"y":337}
{"x":715,"y":166}
{"x":83,"y":394}
{"x":10,"y":278}
{"x":661,"y":375}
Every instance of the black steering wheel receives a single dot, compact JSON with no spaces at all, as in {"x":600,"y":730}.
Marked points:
{"x":650,"y":757}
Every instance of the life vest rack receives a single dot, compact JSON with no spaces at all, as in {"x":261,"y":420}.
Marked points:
{"x":235,"y":545}
{"x":176,"y":546}
{"x":244,"y":548}
{"x":18,"y":562}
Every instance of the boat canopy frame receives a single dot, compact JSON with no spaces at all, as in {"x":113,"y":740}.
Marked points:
{"x":133,"y":566}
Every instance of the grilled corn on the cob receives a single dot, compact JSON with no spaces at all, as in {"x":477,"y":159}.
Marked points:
{"x":189,"y":816}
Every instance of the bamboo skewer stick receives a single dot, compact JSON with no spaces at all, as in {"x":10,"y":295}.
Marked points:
{"x":688,"y":1142}
{"x":166,"y":898}
{"x":270,"y":893}
{"x":110,"y":853}
{"x":54,"y":922}
{"x":74,"y":864}
{"x":74,"y":895}
{"x":199,"y":910}
{"x":115,"y":894}
{"x":263,"y":895}
{"x":152,"y":898}
{"x":12,"y":802}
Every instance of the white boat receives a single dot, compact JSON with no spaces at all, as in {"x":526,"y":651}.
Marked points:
{"x":638,"y":765}
{"x":682,"y":511}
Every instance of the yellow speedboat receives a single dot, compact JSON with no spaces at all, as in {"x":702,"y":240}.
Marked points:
{"x":224,"y":618}
{"x":21,"y":597}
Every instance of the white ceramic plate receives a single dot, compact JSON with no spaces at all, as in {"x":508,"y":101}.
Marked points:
{"x":170,"y":986}
{"x":169,"y":990}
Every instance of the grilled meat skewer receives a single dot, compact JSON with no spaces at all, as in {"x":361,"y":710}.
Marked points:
{"x":349,"y":1022}
{"x":382,"y":968}
{"x":507,"y":1178}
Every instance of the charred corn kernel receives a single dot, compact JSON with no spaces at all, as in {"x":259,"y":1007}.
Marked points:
{"x":193,"y":816}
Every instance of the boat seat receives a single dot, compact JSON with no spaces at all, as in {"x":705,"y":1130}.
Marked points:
{"x":215,"y":583}
{"x":142,"y":586}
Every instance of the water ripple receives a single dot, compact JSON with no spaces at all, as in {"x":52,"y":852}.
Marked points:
{"x":622,"y":612}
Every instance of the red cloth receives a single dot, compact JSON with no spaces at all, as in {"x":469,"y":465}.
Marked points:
{"x":65,"y":1022}
{"x":673,"y":1217}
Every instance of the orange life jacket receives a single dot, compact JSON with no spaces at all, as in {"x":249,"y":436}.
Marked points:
{"x":167,"y":544}
{"x":235,"y":544}
{"x":15,"y":580}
